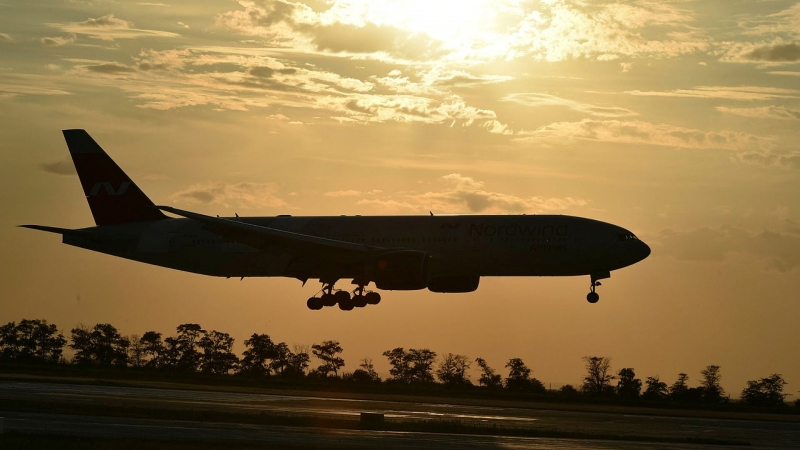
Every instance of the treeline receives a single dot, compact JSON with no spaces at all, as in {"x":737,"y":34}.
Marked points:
{"x":195,"y":350}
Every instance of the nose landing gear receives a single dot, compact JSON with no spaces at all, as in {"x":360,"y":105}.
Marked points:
{"x":594,"y":297}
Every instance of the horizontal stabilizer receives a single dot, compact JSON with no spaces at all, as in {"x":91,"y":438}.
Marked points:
{"x":49,"y":229}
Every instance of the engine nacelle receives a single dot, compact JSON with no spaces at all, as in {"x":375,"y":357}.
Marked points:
{"x":403,"y":270}
{"x":453,"y":285}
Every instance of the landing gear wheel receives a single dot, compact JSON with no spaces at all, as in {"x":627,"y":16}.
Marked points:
{"x":346,"y":304}
{"x":359,"y":301}
{"x":314,"y":303}
{"x":341,"y":296}
{"x":593,"y":297}
{"x":328,"y":299}
{"x":373,"y":298}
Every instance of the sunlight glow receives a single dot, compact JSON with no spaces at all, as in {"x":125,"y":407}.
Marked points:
{"x":458,"y":24}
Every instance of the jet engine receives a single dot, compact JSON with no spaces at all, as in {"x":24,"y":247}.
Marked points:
{"x":454,"y":285}
{"x":402,"y":270}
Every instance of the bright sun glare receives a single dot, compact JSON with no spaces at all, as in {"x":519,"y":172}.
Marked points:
{"x":456,"y":23}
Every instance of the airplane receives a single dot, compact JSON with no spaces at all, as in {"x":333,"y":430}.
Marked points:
{"x":444,"y":254}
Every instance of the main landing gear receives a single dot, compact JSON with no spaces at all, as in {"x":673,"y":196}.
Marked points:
{"x":346,"y":302}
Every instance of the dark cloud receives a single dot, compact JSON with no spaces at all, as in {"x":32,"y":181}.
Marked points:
{"x":774,"y":53}
{"x":110,"y":68}
{"x":200,"y":196}
{"x":64,"y":167}
{"x":261,"y":72}
{"x":149,"y":66}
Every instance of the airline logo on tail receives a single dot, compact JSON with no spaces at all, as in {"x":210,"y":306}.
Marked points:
{"x":109,"y":188}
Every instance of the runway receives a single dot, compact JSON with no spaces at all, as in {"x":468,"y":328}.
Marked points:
{"x":761,"y":434}
{"x":301,"y":437}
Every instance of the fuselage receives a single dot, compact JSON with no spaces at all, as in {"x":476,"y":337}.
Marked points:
{"x":459,"y":245}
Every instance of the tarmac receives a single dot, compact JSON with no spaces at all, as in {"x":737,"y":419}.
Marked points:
{"x":760,"y":434}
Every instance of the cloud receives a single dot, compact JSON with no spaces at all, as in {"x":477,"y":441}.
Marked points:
{"x":57,"y":41}
{"x":6,"y":38}
{"x":785,"y":73}
{"x":765,"y":112}
{"x":109,"y":27}
{"x":774,"y":53}
{"x":538,"y":99}
{"x":774,"y":250}
{"x":110,"y":69}
{"x":639,"y":132}
{"x":766,"y":158}
{"x":785,"y":23}
{"x":242,"y":195}
{"x":777,"y":52}
{"x":407,"y":108}
{"x":63,"y":167}
{"x":744,"y":93}
{"x":465,"y":194}
{"x":13,"y":85}
{"x":551,"y":30}
{"x":348,"y":193}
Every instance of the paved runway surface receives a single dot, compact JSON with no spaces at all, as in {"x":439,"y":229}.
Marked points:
{"x":302,"y":437}
{"x":761,"y":434}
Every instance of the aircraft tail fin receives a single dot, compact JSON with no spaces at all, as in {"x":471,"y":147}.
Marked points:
{"x":113,"y":197}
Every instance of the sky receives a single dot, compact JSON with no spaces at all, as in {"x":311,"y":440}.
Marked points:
{"x":676,"y":119}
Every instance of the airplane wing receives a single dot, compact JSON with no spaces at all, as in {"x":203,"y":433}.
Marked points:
{"x":259,"y":237}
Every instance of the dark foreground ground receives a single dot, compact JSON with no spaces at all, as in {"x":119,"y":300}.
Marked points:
{"x":94,"y":416}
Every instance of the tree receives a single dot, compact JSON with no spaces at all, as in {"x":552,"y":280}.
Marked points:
{"x":101,"y":345}
{"x":297,"y":363}
{"x":421,"y":362}
{"x":712,"y":390}
{"x":568,"y":391}
{"x":765,"y":391}
{"x":153,"y":351}
{"x":488,"y":377}
{"x":453,"y":370}
{"x":217,"y":357}
{"x":365,"y":373}
{"x":628,"y":386}
{"x":172,"y":353}
{"x":282,"y":358}
{"x":655,"y":389}
{"x":680,"y":387}
{"x":598,"y":379}
{"x":186,"y":346}
{"x":401,"y":368}
{"x":328,"y":352}
{"x":258,"y":356}
{"x":136,"y":354}
{"x":414,"y":366}
{"x":31,"y":340}
{"x":519,"y":375}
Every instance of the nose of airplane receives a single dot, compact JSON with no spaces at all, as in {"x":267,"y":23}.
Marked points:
{"x":641,"y":250}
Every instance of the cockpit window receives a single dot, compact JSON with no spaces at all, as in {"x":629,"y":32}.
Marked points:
{"x":628,"y":237}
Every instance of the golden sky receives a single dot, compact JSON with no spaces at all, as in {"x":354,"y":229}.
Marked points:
{"x":676,"y":119}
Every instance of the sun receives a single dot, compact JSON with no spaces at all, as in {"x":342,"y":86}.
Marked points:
{"x":456,"y":23}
